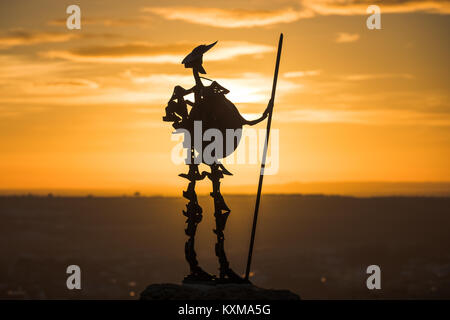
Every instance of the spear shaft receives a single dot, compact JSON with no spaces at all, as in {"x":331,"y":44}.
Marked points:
{"x":263,"y":162}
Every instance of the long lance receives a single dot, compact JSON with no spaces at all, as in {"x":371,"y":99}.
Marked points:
{"x":263,"y":162}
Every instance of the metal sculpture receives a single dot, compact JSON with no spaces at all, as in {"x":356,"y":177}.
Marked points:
{"x":214,"y":111}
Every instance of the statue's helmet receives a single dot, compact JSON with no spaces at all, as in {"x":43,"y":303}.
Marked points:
{"x":195,"y":58}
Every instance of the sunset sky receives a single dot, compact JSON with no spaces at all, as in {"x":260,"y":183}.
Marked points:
{"x":82,"y":109}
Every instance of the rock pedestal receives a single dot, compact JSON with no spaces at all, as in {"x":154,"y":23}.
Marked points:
{"x":169,"y":291}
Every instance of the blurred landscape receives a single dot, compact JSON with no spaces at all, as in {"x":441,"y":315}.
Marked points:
{"x":316,"y":246}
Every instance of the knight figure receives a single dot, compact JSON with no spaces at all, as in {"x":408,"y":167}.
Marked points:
{"x":214,"y":110}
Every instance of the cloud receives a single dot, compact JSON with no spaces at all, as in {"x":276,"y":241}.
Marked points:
{"x":320,"y":116}
{"x":31,"y":81}
{"x":70,"y":83}
{"x":229,"y":18}
{"x":15,"y":67}
{"x":9,"y":112}
{"x":363,"y":77}
{"x":108,"y":22}
{"x":343,"y":37}
{"x":239,"y":18}
{"x":157,"y":54}
{"x":21,"y":37}
{"x":301,"y":74}
{"x":246,"y":88}
{"x":359,"y":7}
{"x":137,"y":87}
{"x":364,"y":117}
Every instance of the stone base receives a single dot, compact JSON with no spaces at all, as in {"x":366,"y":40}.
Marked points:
{"x":169,"y":291}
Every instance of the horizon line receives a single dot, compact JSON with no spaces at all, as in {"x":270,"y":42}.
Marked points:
{"x":331,"y":188}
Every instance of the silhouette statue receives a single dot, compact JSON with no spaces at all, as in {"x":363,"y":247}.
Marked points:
{"x":214,"y":110}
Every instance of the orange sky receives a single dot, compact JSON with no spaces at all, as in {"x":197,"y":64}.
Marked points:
{"x":81,"y":109}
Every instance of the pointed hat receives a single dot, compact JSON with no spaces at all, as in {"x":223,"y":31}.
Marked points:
{"x":196,"y":57}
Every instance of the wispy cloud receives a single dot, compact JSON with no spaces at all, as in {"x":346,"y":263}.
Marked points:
{"x":70,"y":83}
{"x":359,"y":7}
{"x":228,"y":18}
{"x":137,"y":87}
{"x":31,"y":81}
{"x":157,"y":54}
{"x":246,"y":88}
{"x":9,"y":112}
{"x":364,"y":117}
{"x":239,"y":18}
{"x":375,"y":76}
{"x":14,"y":68}
{"x":301,"y":74}
{"x":22,"y":37}
{"x":344,"y":37}
{"x":108,"y":22}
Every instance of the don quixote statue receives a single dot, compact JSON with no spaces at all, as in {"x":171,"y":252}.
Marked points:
{"x":214,"y":111}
